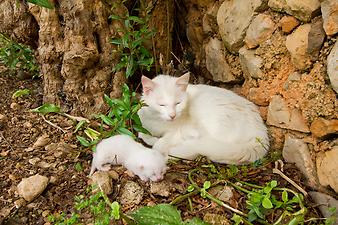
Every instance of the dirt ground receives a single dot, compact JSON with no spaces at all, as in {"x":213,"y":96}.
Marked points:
{"x":68,"y":167}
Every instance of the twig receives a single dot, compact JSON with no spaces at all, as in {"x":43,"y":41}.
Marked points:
{"x":299,"y":188}
{"x":53,"y":125}
{"x":77,"y":118}
{"x":9,"y":145}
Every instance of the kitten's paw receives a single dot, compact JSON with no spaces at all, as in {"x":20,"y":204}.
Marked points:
{"x":149,"y":140}
{"x":105,"y":168}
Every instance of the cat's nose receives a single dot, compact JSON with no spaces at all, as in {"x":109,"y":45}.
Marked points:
{"x":172,"y":116}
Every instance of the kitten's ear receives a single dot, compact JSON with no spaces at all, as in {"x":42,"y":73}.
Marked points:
{"x":147,"y":85}
{"x":183,"y":81}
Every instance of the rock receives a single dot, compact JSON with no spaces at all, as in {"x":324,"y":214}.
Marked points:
{"x":113,"y":174}
{"x":161,"y":188}
{"x":332,"y":67}
{"x":31,"y":187}
{"x":42,"y":141}
{"x":329,"y":10}
{"x":325,"y":202}
{"x":103,"y":182}
{"x":15,"y":106}
{"x":296,"y":151}
{"x":3,"y":118}
{"x":280,"y":115}
{"x":288,"y":23}
{"x":233,"y":19}
{"x":260,"y":30}
{"x":216,"y":219}
{"x":257,"y":97}
{"x":216,"y":63}
{"x":19,"y":203}
{"x":250,"y":63}
{"x":327,"y":168}
{"x":132,"y":194}
{"x":303,"y":10}
{"x":291,"y":78}
{"x":209,"y":21}
{"x":316,"y":38}
{"x":297,"y":44}
{"x":34,"y":160}
{"x":222,"y":192}
{"x":321,"y":127}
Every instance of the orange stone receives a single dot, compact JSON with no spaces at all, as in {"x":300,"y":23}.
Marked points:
{"x":322,"y":127}
{"x":288,"y":23}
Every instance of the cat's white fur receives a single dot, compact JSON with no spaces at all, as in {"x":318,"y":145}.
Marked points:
{"x":187,"y":120}
{"x":123,"y":150}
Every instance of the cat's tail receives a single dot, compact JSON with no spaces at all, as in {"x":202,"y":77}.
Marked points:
{"x":222,"y":151}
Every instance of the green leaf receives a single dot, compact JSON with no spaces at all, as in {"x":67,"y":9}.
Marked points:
{"x":123,"y":130}
{"x":107,"y":120}
{"x":115,"y":212}
{"x":79,"y":125}
{"x":78,"y":167}
{"x":47,"y":108}
{"x":20,"y":93}
{"x":206,"y":185}
{"x":196,"y":221}
{"x":141,"y":129}
{"x":273,"y":183}
{"x":92,"y":134}
{"x":285,"y":196}
{"x":114,"y":17}
{"x":266,"y":203}
{"x":42,"y":3}
{"x":163,"y":214}
{"x":83,"y":141}
{"x":190,"y":188}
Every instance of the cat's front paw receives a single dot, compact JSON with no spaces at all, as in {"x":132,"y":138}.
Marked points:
{"x":148,"y":139}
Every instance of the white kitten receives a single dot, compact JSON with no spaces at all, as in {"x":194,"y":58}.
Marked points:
{"x":190,"y":120}
{"x":122,"y":149}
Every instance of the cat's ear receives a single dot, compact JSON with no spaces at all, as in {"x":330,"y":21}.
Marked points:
{"x":147,"y":85}
{"x":183,"y":81}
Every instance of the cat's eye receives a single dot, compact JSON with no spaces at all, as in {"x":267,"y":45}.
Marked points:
{"x":161,"y":105}
{"x":177,"y":103}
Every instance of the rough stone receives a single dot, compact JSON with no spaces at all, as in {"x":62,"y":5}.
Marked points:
{"x":321,"y":127}
{"x":233,"y":19}
{"x":161,"y":188}
{"x":297,"y":44}
{"x":280,"y":115}
{"x":132,"y":194}
{"x":260,"y":30}
{"x":332,"y":67}
{"x":15,"y":106}
{"x":31,"y":187}
{"x":296,"y":151}
{"x":222,"y":192}
{"x":42,"y":141}
{"x":216,"y":219}
{"x":288,"y":23}
{"x":316,"y":38}
{"x":325,"y":202}
{"x":329,"y":10}
{"x":257,"y":97}
{"x":250,"y":63}
{"x":327,"y":168}
{"x":303,"y":10}
{"x":216,"y":63}
{"x":103,"y":182}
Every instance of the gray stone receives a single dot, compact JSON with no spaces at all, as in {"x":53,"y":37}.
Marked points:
{"x":250,"y":63}
{"x":329,"y":10}
{"x":132,"y":194}
{"x":280,"y":115}
{"x":216,"y":219}
{"x":332,"y":67}
{"x":297,"y":45}
{"x":327,"y":168}
{"x":222,"y":192}
{"x":325,"y":202}
{"x":233,"y":19}
{"x":296,"y":151}
{"x":316,"y":38}
{"x":161,"y":188}
{"x":31,"y":187}
{"x":303,"y":10}
{"x":102,"y":181}
{"x":216,"y":63}
{"x":260,"y":30}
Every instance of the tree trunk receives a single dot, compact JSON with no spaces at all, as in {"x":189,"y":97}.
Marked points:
{"x":75,"y":54}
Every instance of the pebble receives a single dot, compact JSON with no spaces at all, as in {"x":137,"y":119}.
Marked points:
{"x":31,"y":187}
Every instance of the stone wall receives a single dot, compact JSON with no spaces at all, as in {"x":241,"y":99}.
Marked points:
{"x":286,"y":53}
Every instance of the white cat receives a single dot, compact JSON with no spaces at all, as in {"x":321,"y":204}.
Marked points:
{"x":188,"y":120}
{"x":122,"y":149}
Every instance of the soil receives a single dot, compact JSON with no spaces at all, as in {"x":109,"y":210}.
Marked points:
{"x":20,"y":130}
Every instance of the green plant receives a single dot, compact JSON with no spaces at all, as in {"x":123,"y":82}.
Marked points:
{"x":21,"y":93}
{"x":17,"y":57}
{"x":133,"y":54}
{"x":42,"y":3}
{"x":122,"y":118}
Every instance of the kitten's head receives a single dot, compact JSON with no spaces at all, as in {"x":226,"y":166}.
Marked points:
{"x":166,"y":95}
{"x":150,"y":166}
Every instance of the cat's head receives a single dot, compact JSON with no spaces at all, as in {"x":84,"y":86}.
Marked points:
{"x":166,"y":94}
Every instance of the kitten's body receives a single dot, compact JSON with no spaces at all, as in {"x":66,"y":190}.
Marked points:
{"x":208,"y":121}
{"x":123,"y":150}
